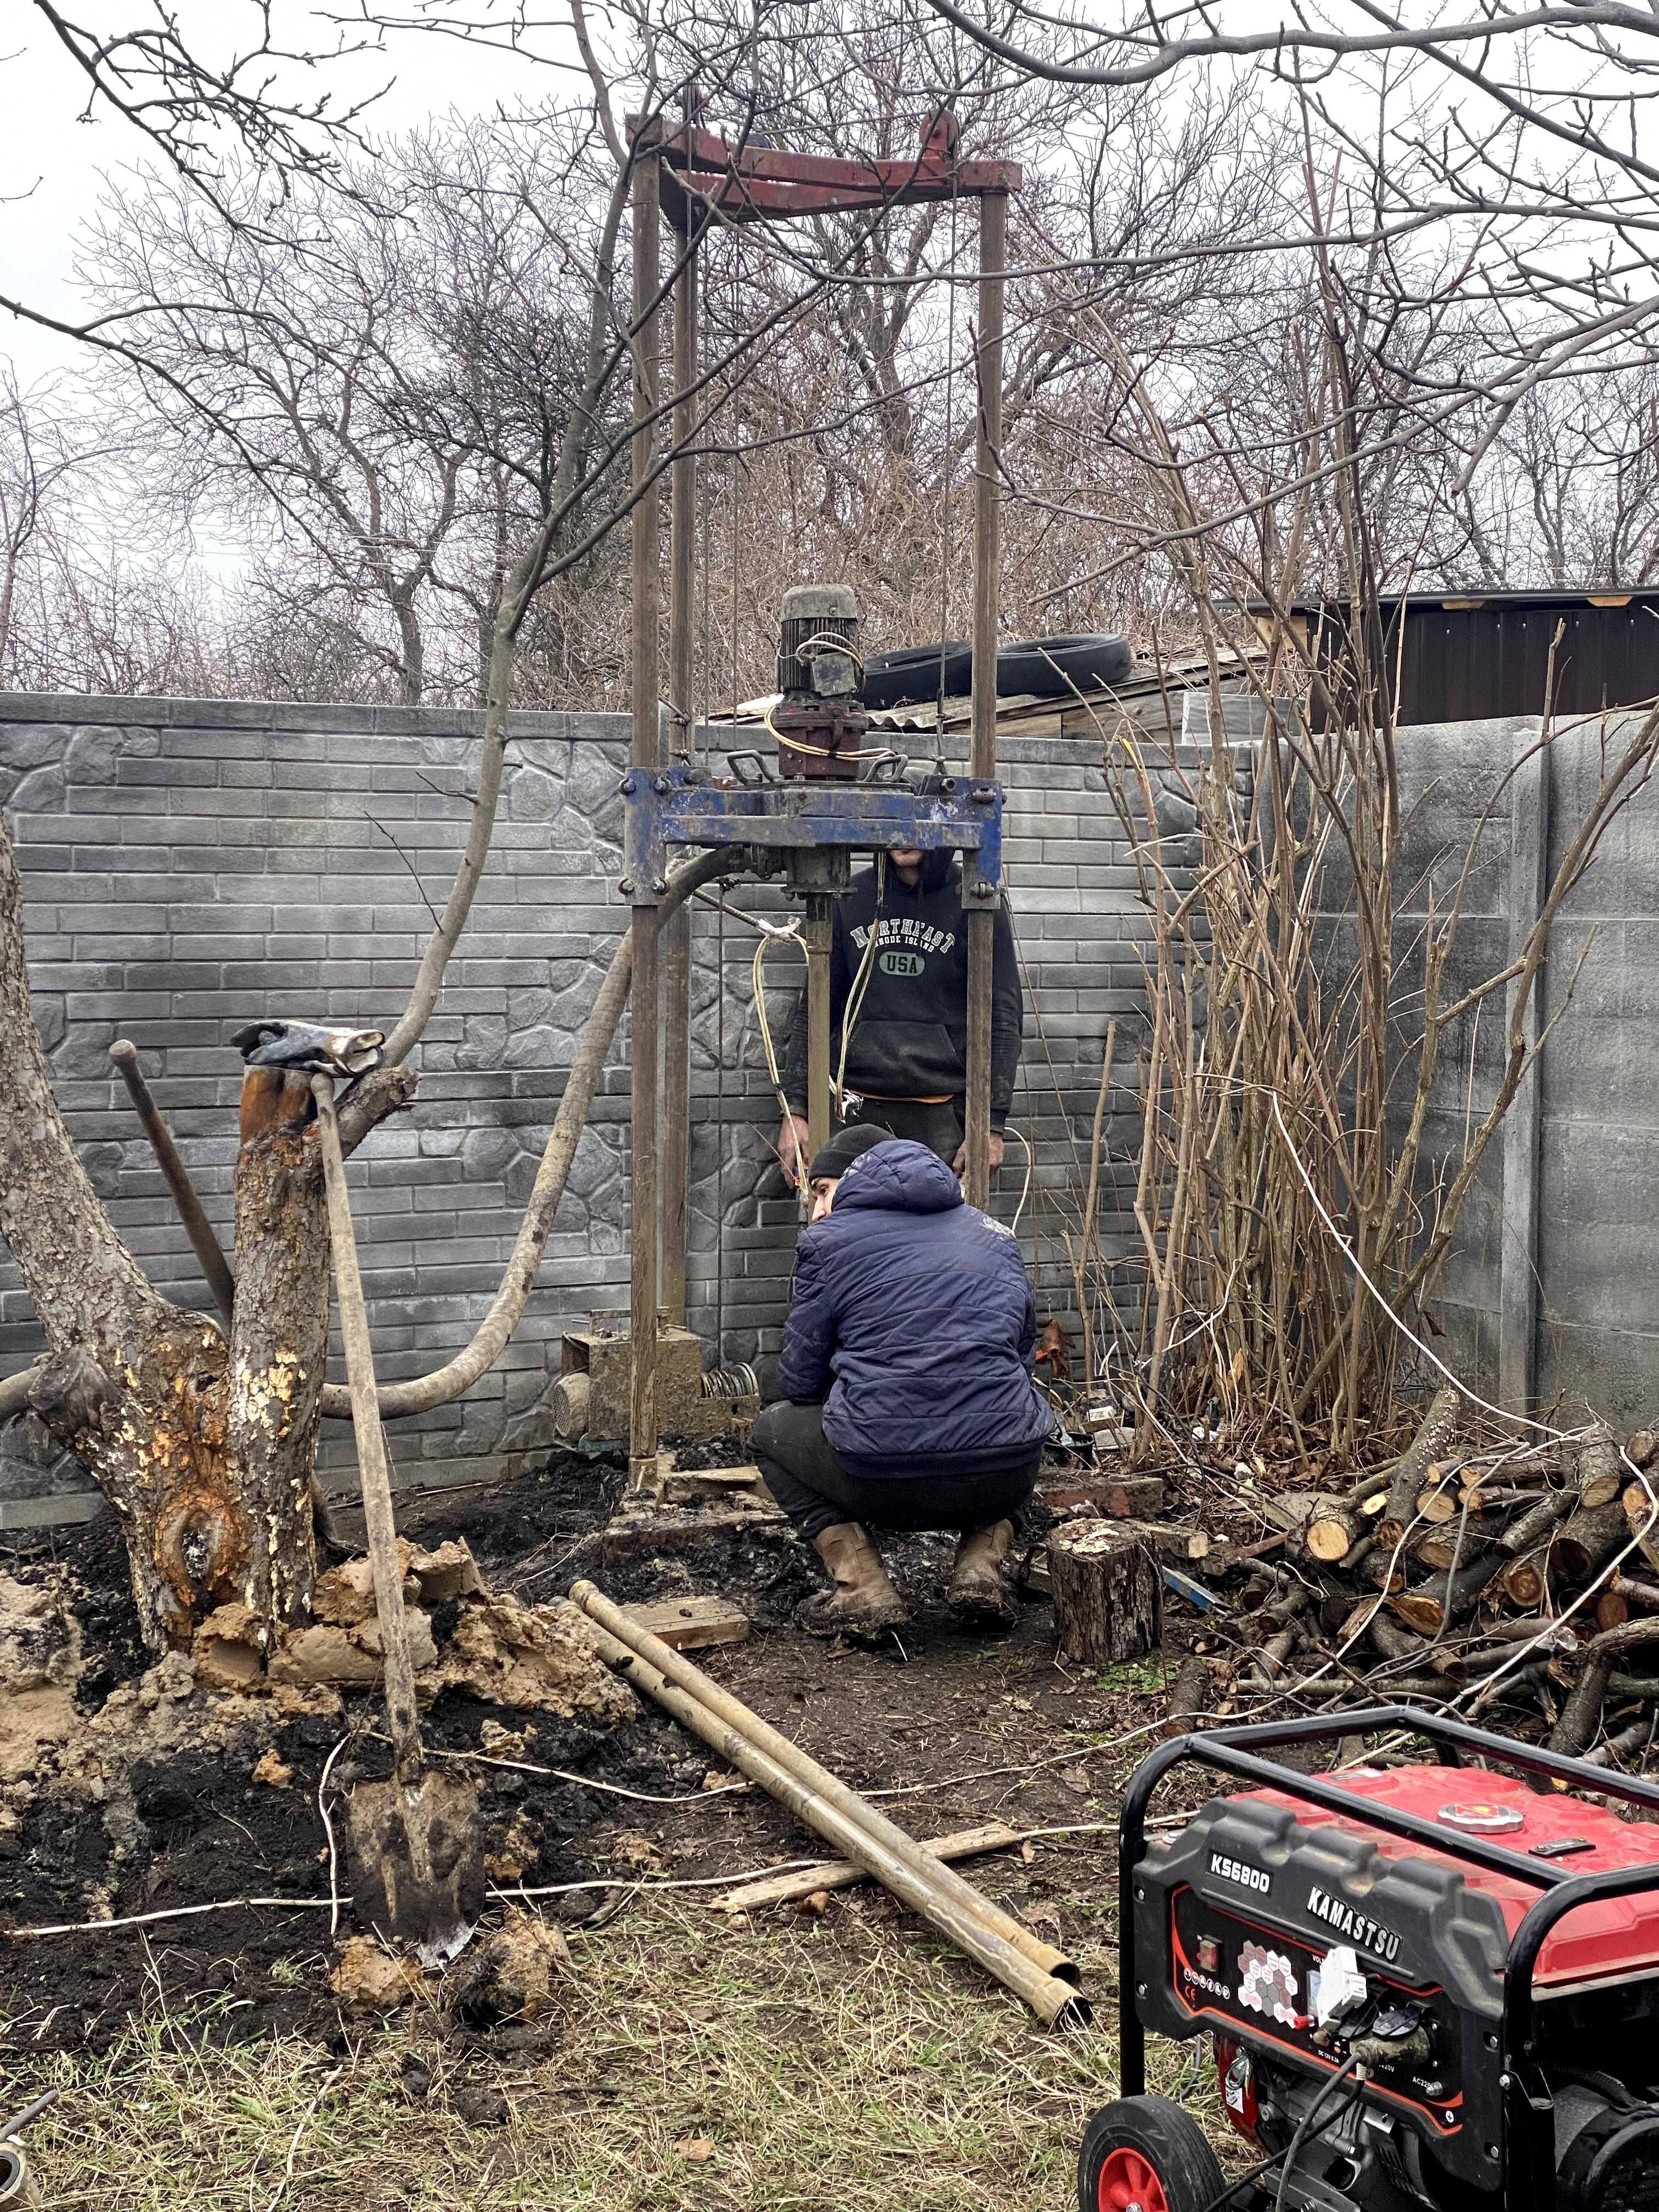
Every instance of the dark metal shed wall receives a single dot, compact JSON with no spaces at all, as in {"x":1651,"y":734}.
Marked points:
{"x":1460,"y":658}
{"x":1467,"y":664}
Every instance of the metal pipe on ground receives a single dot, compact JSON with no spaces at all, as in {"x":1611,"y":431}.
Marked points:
{"x":908,"y":1873}
{"x":823,"y":1788}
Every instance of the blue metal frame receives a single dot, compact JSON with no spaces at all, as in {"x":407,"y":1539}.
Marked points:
{"x":1529,"y":2150}
{"x":683,"y":806}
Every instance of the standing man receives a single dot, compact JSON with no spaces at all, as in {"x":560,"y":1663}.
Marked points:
{"x":906,"y":1375}
{"x":904,"y":1050}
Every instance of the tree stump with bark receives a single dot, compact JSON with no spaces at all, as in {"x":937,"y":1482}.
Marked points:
{"x":1108,"y":1592}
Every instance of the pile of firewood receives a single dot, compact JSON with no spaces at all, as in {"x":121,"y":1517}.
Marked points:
{"x":1511,"y":1580}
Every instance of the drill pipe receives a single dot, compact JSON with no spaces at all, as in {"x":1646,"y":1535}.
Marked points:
{"x":908,"y":1874}
{"x":826,"y":1804}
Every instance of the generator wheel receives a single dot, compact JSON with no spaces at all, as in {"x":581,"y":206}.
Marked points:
{"x":1145,"y":2154}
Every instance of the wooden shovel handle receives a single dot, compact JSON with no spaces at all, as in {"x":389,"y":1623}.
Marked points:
{"x":402,"y":1718}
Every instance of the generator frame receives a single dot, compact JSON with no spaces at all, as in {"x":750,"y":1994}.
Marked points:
{"x":1527,"y":2161}
{"x":701,"y":182}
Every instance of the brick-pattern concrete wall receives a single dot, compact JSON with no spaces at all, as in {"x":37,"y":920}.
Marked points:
{"x":188,"y":866}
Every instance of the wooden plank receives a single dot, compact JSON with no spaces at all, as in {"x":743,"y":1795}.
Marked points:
{"x":841,"y":1874}
{"x":688,"y":1623}
{"x":681,"y":1484}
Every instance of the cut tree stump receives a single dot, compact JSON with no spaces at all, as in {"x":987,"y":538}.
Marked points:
{"x":1108,"y":1592}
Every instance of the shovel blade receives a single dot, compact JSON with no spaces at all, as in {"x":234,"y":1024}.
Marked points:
{"x":416,"y":1855}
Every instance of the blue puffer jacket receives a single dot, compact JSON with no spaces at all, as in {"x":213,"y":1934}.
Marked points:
{"x":918,"y":1306}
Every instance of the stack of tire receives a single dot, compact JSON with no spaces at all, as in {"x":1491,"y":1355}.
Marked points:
{"x":1036,"y":667}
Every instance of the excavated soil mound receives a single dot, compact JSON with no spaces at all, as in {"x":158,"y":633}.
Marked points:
{"x":130,"y":1787}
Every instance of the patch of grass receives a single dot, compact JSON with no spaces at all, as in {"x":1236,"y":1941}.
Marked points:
{"x":1132,"y":1677}
{"x":848,"y":2062}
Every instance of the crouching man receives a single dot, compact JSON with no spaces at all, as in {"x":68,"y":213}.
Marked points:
{"x":907,"y":1367}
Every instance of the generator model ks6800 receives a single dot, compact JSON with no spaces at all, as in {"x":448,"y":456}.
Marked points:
{"x":1429,"y":1984}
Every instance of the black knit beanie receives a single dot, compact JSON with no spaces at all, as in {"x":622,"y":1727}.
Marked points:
{"x":834,"y":1158}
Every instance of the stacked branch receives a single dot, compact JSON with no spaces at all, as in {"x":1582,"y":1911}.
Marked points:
{"x":1514,"y":1581}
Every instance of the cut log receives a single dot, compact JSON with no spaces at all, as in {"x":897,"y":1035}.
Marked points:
{"x":1108,"y":1592}
{"x":1523,"y":1582}
{"x":1438,"y":1505}
{"x":1644,"y":1597}
{"x":1391,"y":1641}
{"x":1291,"y":1510}
{"x":1612,"y":1609}
{"x":1406,"y":1478}
{"x":1535,"y":1525}
{"x":1589,"y":1539}
{"x":1355,"y":1622}
{"x":1627,"y":1744}
{"x":1333,"y":1527}
{"x":1642,"y":1448}
{"x":1582,"y":1713}
{"x":1267,"y":1665}
{"x":1192,"y":1696}
{"x":1600,"y":1476}
{"x":1432,"y":1606}
{"x":568,"y":1404}
{"x":1446,"y":1550}
{"x":1377,"y":1573}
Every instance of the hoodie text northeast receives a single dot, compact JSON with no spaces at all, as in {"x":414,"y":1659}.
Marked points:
{"x":910,"y":1039}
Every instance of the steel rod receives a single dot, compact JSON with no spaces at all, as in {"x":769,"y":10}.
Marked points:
{"x":931,"y":1890}
{"x":982,"y":762}
{"x":209,"y":1253}
{"x":676,"y":932}
{"x":647,"y":591}
{"x":820,"y":935}
{"x":825,"y":1787}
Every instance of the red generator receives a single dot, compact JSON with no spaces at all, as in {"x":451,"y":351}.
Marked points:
{"x":1428,"y":1984}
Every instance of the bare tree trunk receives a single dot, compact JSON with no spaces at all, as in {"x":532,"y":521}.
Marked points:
{"x":205,"y":1450}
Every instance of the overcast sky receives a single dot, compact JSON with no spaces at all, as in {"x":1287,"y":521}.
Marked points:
{"x":51,"y":163}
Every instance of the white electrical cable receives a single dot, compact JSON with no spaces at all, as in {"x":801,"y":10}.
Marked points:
{"x":1009,"y":1130}
{"x":855,"y":1005}
{"x":770,"y":932}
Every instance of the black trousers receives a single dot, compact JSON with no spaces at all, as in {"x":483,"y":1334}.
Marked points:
{"x":806,"y":1475}
{"x":939,"y":1128}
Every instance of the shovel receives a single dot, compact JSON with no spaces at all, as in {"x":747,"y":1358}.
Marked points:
{"x":413,"y":1843}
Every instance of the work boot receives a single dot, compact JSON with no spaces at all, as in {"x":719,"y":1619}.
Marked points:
{"x":863,"y":1602}
{"x":978,"y":1592}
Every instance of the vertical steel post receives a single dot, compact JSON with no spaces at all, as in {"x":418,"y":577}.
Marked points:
{"x":646,"y":753}
{"x":820,"y":935}
{"x":676,"y":934}
{"x":982,"y":762}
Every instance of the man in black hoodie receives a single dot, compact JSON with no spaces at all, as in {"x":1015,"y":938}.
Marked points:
{"x":906,"y":1056}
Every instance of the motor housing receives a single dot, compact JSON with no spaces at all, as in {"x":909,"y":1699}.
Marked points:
{"x":820,"y":722}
